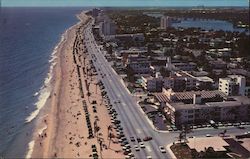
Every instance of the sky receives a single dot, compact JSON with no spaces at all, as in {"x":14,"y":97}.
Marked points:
{"x":123,"y":3}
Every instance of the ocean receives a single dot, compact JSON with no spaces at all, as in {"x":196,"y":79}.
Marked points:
{"x":28,"y":39}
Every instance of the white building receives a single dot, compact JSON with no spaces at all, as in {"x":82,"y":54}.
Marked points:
{"x":151,"y":84}
{"x":199,"y":107}
{"x":233,"y":85}
{"x":108,"y":27}
{"x":165,"y":22}
{"x":183,"y":66}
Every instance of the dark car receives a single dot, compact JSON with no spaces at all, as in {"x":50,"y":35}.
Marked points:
{"x":132,"y":139}
{"x":147,"y":138}
{"x":138,"y":140}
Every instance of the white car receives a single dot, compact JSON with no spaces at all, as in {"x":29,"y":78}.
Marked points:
{"x":162,"y":149}
{"x":127,"y":145}
{"x":136,"y":148}
{"x":208,"y":135}
{"x":131,"y":154}
{"x":149,"y":157}
{"x":142,"y":145}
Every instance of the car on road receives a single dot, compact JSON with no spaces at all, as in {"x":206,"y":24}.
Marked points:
{"x":132,"y":139}
{"x":136,"y":148}
{"x":131,"y":154}
{"x":128,"y":146}
{"x":162,"y":149}
{"x":191,"y":137}
{"x":142,"y":145}
{"x":208,"y":135}
{"x":149,"y":157}
{"x":147,"y":138}
{"x":240,"y":127}
{"x":138,"y":140}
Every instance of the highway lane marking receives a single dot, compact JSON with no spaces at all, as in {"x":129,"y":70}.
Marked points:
{"x":148,"y":148}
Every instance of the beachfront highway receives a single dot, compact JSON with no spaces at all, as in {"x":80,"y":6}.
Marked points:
{"x":134,"y":121}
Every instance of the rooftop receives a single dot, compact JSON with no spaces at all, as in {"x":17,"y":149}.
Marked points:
{"x":238,"y":101}
{"x":179,"y":96}
{"x":161,"y":97}
{"x":204,"y":94}
{"x":204,"y":79}
{"x":199,"y":144}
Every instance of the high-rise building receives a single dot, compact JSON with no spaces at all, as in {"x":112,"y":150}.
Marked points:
{"x":165,"y":22}
{"x":233,"y":85}
{"x":108,"y":27}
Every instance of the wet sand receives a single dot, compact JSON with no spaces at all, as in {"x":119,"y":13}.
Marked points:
{"x":63,"y":131}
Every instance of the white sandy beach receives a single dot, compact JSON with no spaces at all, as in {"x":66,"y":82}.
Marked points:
{"x":63,"y":130}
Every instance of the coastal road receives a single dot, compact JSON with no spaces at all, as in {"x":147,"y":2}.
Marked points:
{"x":134,"y":121}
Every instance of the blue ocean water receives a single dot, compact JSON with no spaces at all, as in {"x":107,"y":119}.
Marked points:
{"x":27,"y":39}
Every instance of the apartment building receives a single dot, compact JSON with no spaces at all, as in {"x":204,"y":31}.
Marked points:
{"x":151,"y":84}
{"x":107,"y":27}
{"x":198,"y":107}
{"x":233,"y":85}
{"x":139,"y":64}
{"x":166,"y":22}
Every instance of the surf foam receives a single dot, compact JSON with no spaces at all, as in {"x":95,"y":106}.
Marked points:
{"x":45,"y":90}
{"x":30,"y":149}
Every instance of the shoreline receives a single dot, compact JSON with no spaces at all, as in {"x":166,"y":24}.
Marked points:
{"x":62,"y":130}
{"x":51,"y":82}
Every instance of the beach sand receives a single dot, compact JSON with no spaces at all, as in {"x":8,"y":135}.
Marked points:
{"x":62,"y":132}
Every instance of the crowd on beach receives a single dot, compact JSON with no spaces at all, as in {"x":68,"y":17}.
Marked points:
{"x":77,"y":131}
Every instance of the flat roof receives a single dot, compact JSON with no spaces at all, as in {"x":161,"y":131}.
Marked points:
{"x":188,"y":95}
{"x":204,"y":94}
{"x":161,"y":97}
{"x":238,"y":101}
{"x":204,"y":79}
{"x":199,"y":144}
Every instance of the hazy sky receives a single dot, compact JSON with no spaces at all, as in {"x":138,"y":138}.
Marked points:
{"x":167,"y":3}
